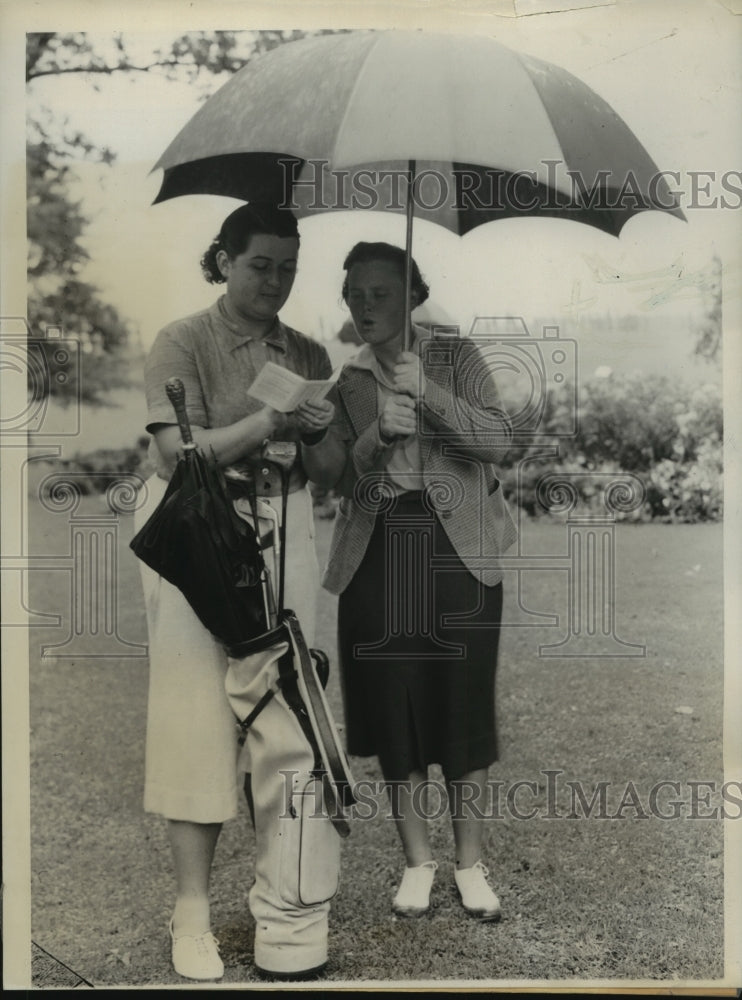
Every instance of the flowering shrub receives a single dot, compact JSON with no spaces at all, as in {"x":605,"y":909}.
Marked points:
{"x":688,"y":491}
{"x":93,"y":470}
{"x":665,"y":433}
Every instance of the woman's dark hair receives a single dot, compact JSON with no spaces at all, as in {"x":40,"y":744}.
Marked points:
{"x":255,"y":219}
{"x":364,"y":253}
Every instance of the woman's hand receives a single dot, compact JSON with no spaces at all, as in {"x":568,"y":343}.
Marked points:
{"x":313,"y":416}
{"x":398,"y":417}
{"x":409,"y":377}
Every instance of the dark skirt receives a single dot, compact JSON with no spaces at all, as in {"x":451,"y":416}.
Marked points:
{"x":417,"y":638}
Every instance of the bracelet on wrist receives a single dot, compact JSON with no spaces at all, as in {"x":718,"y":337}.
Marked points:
{"x":314,"y":437}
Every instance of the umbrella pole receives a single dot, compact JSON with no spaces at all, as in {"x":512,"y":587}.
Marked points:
{"x":408,"y":255}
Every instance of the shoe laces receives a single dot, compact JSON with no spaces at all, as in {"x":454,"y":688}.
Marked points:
{"x":478,"y":868}
{"x":203,"y":941}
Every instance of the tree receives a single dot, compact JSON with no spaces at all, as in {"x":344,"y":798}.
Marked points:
{"x":189,"y":56}
{"x":58,"y":294}
{"x":709,"y":333}
{"x":58,"y":297}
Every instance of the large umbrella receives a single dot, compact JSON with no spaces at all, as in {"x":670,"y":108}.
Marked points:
{"x":455,"y":129}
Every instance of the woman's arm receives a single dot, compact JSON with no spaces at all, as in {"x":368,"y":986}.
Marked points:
{"x":339,"y":460}
{"x":326,"y":454}
{"x":173,"y":355}
{"x":482,"y":432}
{"x":223,"y":444}
{"x":340,"y":457}
{"x":325,"y":461}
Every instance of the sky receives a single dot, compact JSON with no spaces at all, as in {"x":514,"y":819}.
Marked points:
{"x":670,"y":69}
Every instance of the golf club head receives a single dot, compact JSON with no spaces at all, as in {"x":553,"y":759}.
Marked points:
{"x":280,"y":453}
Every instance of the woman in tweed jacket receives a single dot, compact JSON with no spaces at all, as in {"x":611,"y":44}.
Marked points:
{"x":414,"y":558}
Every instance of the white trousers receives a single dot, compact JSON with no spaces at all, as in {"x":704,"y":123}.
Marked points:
{"x":191,"y":760}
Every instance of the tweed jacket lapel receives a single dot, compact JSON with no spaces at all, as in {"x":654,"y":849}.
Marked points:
{"x":357,"y":388}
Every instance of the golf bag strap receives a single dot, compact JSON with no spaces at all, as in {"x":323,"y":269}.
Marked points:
{"x":287,"y":680}
{"x":249,"y":719}
{"x":263,"y":641}
{"x":296,"y":703}
{"x":284,"y":473}
{"x":321,"y":722}
{"x":337,"y":791}
{"x":264,"y":701}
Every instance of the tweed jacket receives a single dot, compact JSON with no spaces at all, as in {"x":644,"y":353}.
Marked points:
{"x":462,"y":429}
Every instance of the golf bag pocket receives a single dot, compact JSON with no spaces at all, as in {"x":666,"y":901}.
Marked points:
{"x":310,"y":847}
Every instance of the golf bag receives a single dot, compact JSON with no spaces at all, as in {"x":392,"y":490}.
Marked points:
{"x":302,"y":672}
{"x":298,"y":785}
{"x":301,"y":784}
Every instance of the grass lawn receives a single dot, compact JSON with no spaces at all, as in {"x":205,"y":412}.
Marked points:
{"x":627,"y":897}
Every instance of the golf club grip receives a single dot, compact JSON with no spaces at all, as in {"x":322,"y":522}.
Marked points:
{"x":176,"y":394}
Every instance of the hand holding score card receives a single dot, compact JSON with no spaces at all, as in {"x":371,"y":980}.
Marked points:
{"x":284,"y":390}
{"x":314,"y":415}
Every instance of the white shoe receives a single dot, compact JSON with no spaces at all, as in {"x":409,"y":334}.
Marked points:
{"x":196,"y":956}
{"x":477,"y":897}
{"x":413,"y":895}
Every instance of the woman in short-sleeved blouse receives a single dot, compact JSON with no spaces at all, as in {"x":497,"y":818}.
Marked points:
{"x":191,"y":750}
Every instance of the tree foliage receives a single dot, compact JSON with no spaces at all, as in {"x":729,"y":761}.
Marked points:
{"x":187,"y":56}
{"x":709,"y":333}
{"x":58,"y":294}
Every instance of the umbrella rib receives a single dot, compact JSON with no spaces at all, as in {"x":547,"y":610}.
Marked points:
{"x":535,"y":90}
{"x":356,"y":87}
